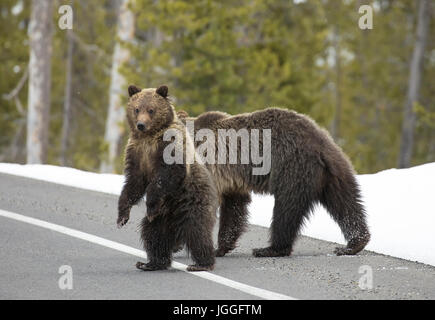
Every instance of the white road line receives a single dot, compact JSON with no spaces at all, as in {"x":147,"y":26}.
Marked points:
{"x":258,"y":292}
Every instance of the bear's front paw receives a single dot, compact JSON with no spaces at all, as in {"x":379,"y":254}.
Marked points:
{"x":220,"y":252}
{"x":149,"y":266}
{"x":271,"y":252}
{"x":122,"y":220}
{"x":196,"y":267}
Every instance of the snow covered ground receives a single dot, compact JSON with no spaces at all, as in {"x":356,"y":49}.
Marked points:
{"x":399,"y":204}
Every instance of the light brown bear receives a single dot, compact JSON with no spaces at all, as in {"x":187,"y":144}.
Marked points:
{"x":181,"y":198}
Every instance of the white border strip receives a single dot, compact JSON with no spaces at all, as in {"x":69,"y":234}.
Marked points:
{"x":258,"y":292}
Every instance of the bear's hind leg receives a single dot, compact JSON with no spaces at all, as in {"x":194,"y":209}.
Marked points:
{"x":199,"y":243}
{"x":158,"y":243}
{"x":342,"y":199}
{"x":232,"y":221}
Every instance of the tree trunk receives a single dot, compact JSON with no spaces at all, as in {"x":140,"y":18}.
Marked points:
{"x":409,"y":117}
{"x":40,"y":36}
{"x":116,"y":111}
{"x":66,"y":125}
{"x":335,"y":128}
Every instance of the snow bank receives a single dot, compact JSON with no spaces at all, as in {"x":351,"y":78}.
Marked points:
{"x":107,"y":183}
{"x":400,"y":211}
{"x":399,"y":204}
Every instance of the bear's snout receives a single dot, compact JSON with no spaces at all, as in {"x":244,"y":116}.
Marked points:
{"x":140,"y":126}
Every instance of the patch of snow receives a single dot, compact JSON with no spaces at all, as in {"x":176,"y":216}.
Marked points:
{"x":400,"y":213}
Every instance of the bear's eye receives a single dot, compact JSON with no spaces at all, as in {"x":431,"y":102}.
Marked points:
{"x":150,"y":111}
{"x":136,"y":110}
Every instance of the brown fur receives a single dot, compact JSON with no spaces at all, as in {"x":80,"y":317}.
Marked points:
{"x":307,"y":167}
{"x":181,"y":199}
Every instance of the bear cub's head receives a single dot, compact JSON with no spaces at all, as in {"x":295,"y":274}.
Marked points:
{"x":149,"y":110}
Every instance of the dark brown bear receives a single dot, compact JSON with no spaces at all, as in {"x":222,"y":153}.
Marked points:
{"x":307,"y":168}
{"x":181,"y":198}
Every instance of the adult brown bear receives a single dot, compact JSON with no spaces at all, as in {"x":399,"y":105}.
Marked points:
{"x":306,"y":168}
{"x":181,"y":198}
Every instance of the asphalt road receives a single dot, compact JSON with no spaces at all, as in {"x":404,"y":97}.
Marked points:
{"x":30,"y":258}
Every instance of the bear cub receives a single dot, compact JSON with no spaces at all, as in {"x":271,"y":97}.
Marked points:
{"x":181,"y":198}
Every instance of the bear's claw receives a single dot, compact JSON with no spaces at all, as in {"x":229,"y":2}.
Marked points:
{"x":122,"y":221}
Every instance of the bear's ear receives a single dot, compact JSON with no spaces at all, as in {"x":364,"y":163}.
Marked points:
{"x":182,"y":114}
{"x":132,"y":90}
{"x":163,"y":91}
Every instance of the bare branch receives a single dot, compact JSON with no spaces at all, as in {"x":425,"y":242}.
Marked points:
{"x":17,"y":89}
{"x":87,"y":47}
{"x":14,"y":93}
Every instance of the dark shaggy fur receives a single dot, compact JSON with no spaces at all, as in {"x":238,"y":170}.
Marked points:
{"x":307,"y":167}
{"x":181,"y":199}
